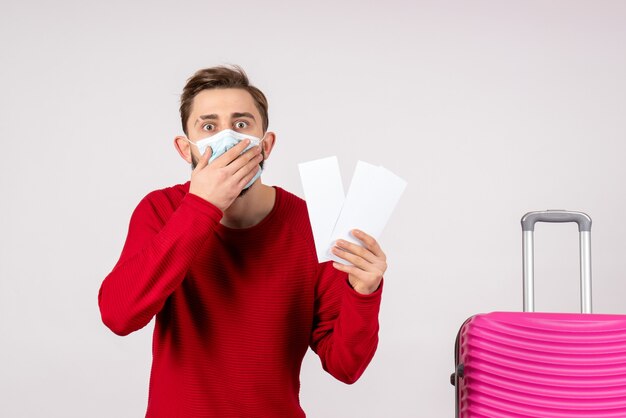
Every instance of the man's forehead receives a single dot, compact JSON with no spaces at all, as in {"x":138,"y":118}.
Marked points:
{"x":215,"y":116}
{"x":223,"y":103}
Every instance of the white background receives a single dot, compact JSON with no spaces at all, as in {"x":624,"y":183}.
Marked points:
{"x":488,"y":109}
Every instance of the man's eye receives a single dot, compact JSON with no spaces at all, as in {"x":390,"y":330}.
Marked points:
{"x":208,"y":127}
{"x":241,"y":124}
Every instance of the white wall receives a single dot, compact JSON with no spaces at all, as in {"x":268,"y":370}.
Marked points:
{"x":488,"y":108}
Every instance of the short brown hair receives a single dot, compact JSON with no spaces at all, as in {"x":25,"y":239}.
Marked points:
{"x":221,"y":77}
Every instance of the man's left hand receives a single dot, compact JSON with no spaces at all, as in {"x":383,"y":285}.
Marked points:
{"x":369,"y":262}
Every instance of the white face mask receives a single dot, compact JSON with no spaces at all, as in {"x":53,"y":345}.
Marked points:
{"x":225,"y":140}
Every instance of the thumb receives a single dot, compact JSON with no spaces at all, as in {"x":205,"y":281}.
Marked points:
{"x":204,"y":159}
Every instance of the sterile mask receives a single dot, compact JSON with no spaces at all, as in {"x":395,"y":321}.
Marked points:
{"x":225,"y":140}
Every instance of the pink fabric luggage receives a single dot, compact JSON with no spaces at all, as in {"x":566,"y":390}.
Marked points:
{"x":543,"y":365}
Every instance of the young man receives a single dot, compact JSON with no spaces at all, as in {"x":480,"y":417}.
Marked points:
{"x":228,"y":266}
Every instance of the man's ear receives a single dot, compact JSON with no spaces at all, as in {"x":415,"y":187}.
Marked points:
{"x":268,"y":143}
{"x":183,"y":147}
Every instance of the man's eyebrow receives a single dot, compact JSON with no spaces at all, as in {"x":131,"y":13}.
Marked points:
{"x":205,"y":117}
{"x":243,"y":115}
{"x":213,"y":116}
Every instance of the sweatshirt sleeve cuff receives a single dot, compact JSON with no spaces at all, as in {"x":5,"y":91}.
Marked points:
{"x":364,"y":302}
{"x":365,"y":307}
{"x":201,"y":205}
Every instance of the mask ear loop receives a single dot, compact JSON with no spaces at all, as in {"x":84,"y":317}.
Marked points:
{"x":262,"y":150}
{"x":192,"y":143}
{"x":197,"y":146}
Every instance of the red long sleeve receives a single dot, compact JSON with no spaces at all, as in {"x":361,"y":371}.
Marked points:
{"x":345,"y":332}
{"x":235,"y":309}
{"x":155,"y":259}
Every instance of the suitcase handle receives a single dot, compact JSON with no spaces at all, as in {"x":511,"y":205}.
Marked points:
{"x":531,"y":218}
{"x":584,"y":228}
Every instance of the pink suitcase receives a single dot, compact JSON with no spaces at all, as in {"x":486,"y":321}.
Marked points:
{"x":547,"y":365}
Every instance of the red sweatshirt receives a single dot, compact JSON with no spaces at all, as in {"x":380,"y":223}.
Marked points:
{"x":235,"y":309}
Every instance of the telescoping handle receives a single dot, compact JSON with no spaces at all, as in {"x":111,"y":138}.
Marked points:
{"x":584,"y":228}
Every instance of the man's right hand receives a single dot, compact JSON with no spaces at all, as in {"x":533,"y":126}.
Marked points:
{"x":221,"y":181}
